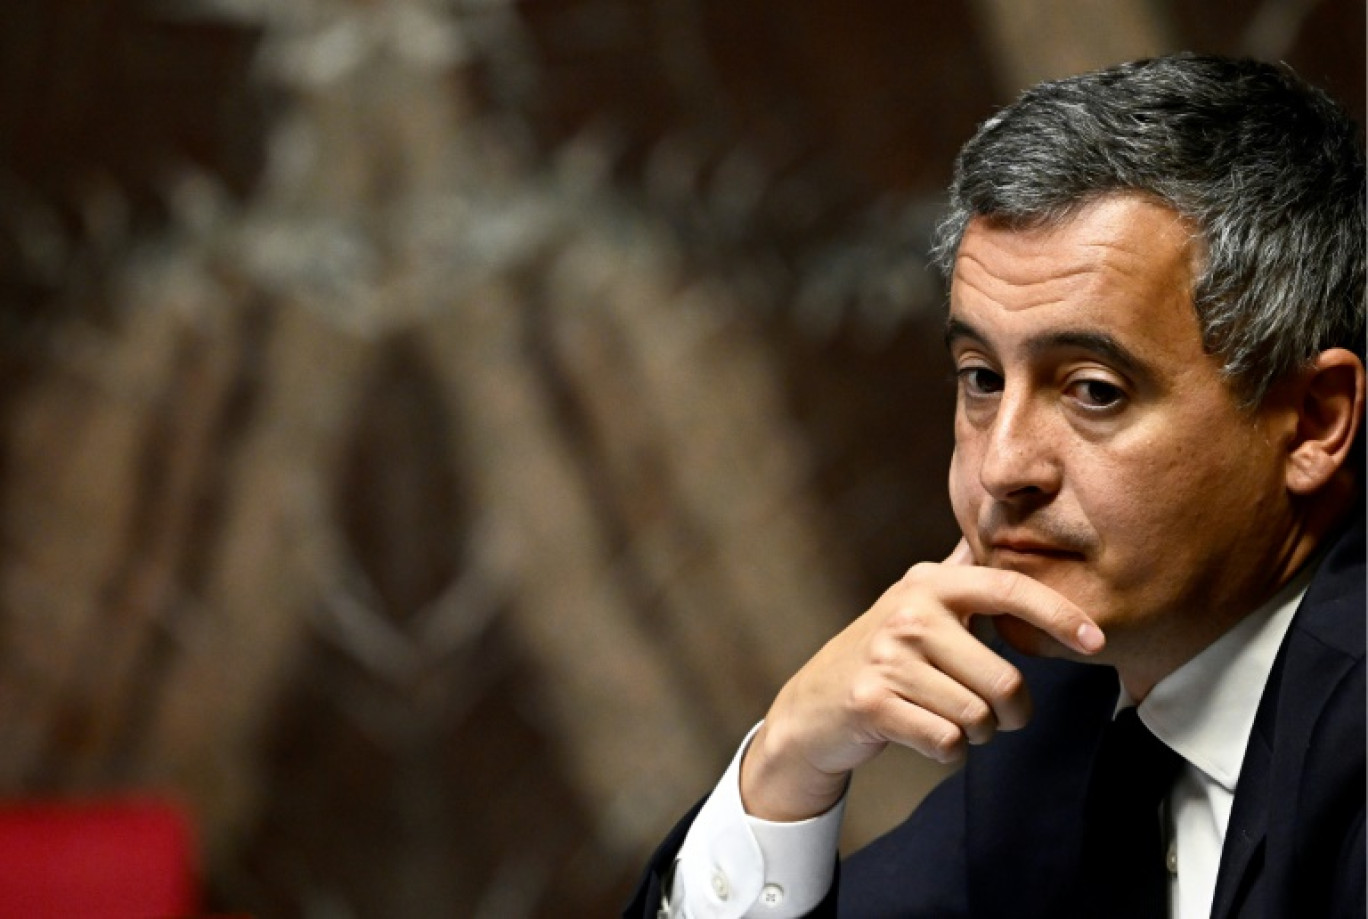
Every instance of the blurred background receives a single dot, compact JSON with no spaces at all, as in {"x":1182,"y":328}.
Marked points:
{"x":430,"y":431}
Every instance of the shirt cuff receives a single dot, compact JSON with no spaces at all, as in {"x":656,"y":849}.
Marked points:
{"x":735,"y":866}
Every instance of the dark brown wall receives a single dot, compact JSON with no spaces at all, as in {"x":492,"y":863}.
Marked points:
{"x":402,"y":448}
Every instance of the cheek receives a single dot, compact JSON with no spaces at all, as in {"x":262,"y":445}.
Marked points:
{"x":1136,"y":509}
{"x":963,"y":495}
{"x":1124,"y":502}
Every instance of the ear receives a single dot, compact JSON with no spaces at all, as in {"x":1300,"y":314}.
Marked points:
{"x":1329,"y":406}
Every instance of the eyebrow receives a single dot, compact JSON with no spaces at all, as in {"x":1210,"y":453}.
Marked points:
{"x":1098,"y":343}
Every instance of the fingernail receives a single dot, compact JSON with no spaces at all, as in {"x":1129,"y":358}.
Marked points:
{"x":1090,"y":638}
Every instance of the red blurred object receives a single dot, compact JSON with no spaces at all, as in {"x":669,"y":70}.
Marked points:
{"x":106,"y":859}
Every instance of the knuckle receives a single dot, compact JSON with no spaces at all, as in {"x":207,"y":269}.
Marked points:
{"x":884,"y":652}
{"x":976,"y":714}
{"x":1063,"y":616}
{"x":1006,"y":684}
{"x":911,"y":624}
{"x":1010,"y":587}
{"x":918,"y":573}
{"x":945,"y":745}
{"x":1027,"y":599}
{"x":866,"y":697}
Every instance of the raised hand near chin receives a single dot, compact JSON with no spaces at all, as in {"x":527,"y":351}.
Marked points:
{"x":909,"y":671}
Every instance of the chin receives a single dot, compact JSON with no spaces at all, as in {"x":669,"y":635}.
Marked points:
{"x":1030,"y":640}
{"x":1066,"y":574}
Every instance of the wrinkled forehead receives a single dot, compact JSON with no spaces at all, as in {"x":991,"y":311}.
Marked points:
{"x":1125,"y":238}
{"x":1092,"y":212}
{"x":1123,"y":266}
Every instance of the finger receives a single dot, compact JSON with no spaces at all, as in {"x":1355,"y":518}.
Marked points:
{"x":909,"y":725}
{"x":950,"y":698}
{"x":995,"y":592}
{"x":984,"y":676}
{"x":951,"y":673}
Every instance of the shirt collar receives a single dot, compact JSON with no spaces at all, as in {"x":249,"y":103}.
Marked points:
{"x":1204,"y":711}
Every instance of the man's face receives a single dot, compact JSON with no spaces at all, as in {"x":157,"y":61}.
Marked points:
{"x":1097,"y":448}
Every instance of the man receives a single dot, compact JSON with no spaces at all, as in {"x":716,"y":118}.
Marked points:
{"x":1156,"y":318}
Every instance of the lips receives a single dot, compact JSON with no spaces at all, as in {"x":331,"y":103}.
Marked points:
{"x":1008,"y":537}
{"x":1035,"y":549}
{"x":1008,"y":549}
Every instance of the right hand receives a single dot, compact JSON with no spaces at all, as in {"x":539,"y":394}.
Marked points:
{"x":910,"y":672}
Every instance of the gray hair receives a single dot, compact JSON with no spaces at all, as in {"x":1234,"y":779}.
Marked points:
{"x":1268,"y":169}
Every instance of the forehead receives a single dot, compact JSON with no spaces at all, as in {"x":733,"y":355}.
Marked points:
{"x":1122,"y":266}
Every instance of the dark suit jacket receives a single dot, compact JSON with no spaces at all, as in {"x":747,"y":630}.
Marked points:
{"x":1000,"y":838}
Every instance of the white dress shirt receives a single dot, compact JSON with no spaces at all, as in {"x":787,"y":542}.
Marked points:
{"x":1204,"y":711}
{"x":735,"y":866}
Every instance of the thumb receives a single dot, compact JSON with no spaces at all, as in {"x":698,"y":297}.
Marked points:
{"x":962,"y":554}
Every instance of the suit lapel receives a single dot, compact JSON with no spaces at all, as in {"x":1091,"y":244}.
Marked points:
{"x":1248,"y":827}
{"x":1025,"y":794}
{"x":1321,"y":647}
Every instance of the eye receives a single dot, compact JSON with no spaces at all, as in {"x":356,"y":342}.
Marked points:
{"x":979,"y":381}
{"x":1097,"y":394}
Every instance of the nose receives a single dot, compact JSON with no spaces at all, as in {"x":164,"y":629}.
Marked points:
{"x":1020,"y":458}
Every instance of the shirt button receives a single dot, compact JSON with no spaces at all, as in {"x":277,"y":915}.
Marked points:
{"x":720,"y":886}
{"x":772,"y":895}
{"x":1171,"y":859}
